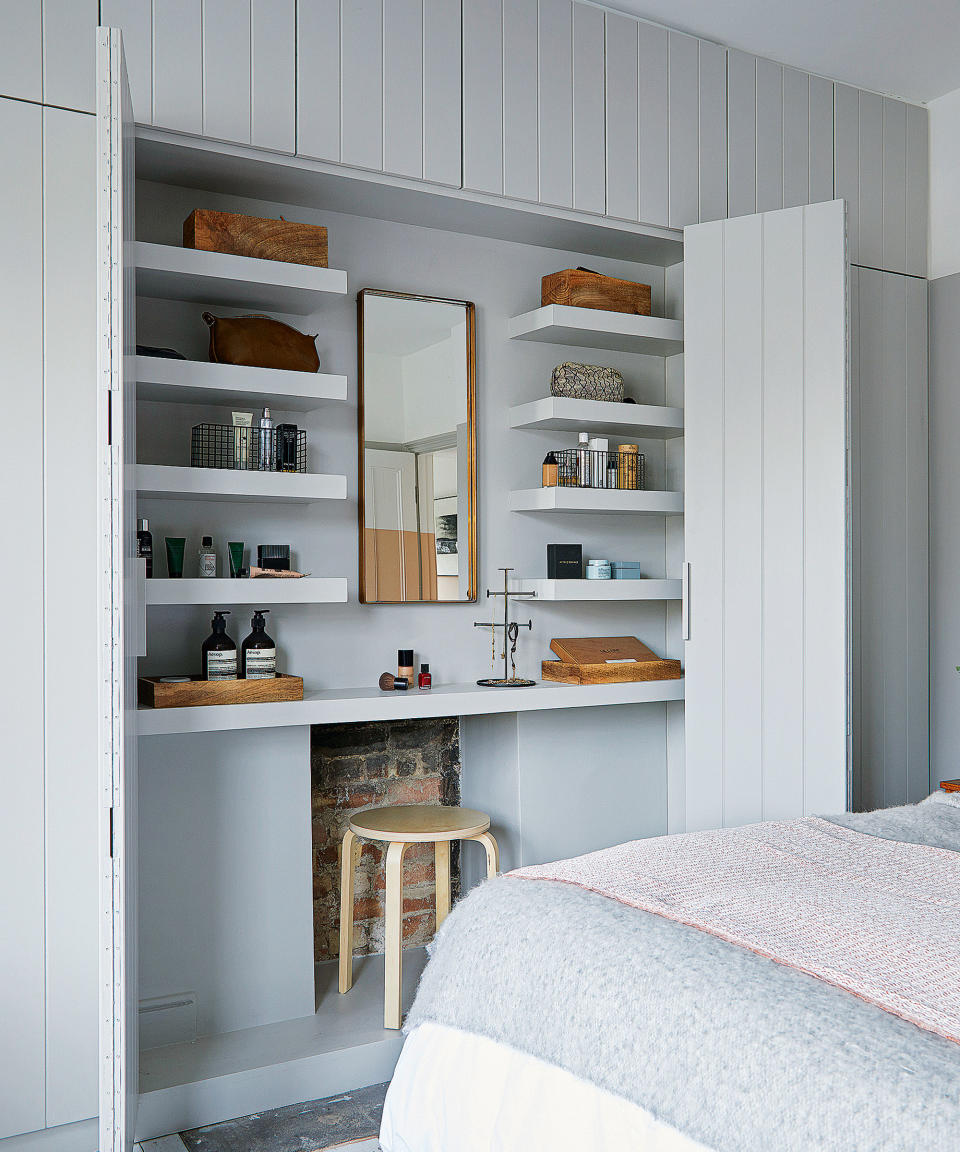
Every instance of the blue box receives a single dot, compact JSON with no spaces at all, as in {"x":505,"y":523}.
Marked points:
{"x":626,"y":570}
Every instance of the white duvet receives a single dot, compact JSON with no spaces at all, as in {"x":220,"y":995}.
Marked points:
{"x":454,"y":1091}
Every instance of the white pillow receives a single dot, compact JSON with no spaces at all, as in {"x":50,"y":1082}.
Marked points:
{"x":940,"y":797}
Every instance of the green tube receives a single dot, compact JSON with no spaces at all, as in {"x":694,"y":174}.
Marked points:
{"x":236,"y":556}
{"x":175,"y":547}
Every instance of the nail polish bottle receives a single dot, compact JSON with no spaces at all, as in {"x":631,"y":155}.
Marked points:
{"x":424,"y":680}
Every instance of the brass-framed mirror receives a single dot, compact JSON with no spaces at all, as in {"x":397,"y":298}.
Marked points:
{"x":417,"y":421}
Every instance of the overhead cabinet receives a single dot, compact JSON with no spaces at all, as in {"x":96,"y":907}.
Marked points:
{"x":47,"y":52}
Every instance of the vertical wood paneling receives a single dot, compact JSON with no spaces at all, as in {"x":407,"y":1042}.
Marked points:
{"x":703,"y":523}
{"x":520,"y":126}
{"x":796,"y":137}
{"x":622,"y":91}
{"x":742,"y":513}
{"x":713,"y":131}
{"x":894,"y":189}
{"x":134,"y":18}
{"x":71,"y":727}
{"x":684,"y":110}
{"x":769,"y":136}
{"x":891,"y":726}
{"x":361,"y":83}
{"x":178,"y":65}
{"x":589,"y":147}
{"x":403,"y":87}
{"x":21,"y":712}
{"x":21,"y":54}
{"x":765,"y":516}
{"x":742,"y":133}
{"x":482,"y":96}
{"x":318,"y":79}
{"x":654,"y":126}
{"x":825,"y":636}
{"x":821,"y":140}
{"x":226,"y":70}
{"x":918,"y":176}
{"x":555,"y":72}
{"x":782,"y":560}
{"x":870,"y":180}
{"x":441,"y":92}
{"x":847,"y":161}
{"x":273,"y":70}
{"x":69,"y":53}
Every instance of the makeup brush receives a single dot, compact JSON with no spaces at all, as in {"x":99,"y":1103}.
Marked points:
{"x":390,"y":683}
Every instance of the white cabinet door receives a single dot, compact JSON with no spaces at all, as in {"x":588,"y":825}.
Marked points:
{"x":21,"y":50}
{"x":119,"y":616}
{"x":765,"y":521}
{"x":888,"y":408}
{"x":880,"y":169}
{"x":21,"y":701}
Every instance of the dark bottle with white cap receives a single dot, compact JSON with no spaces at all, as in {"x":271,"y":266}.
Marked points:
{"x":219,"y":653}
{"x":258,"y":653}
{"x":145,"y":545}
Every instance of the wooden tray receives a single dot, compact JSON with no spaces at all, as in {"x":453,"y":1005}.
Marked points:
{"x":153,"y":694}
{"x":258,"y":236}
{"x":582,"y":289}
{"x":563,"y":673}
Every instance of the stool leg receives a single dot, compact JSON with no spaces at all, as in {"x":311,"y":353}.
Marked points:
{"x":441,"y":857}
{"x":393,"y":970}
{"x":349,"y":858}
{"x":493,"y":852}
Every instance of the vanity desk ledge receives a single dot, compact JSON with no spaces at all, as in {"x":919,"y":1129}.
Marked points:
{"x":354,"y":705}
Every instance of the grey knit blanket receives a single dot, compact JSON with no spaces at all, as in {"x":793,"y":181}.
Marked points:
{"x":737,"y":1051}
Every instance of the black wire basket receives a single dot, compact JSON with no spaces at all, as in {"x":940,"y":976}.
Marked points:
{"x":584,"y":468}
{"x":279,"y":449}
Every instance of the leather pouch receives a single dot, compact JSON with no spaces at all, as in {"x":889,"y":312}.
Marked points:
{"x":587,"y":382}
{"x":260,"y":342}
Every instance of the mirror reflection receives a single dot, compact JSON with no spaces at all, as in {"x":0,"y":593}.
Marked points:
{"x":417,"y":449}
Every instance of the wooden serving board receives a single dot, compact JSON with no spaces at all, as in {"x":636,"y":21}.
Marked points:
{"x":563,"y":672}
{"x":196,"y":693}
{"x":601,"y":649}
{"x":239,"y":235}
{"x":582,"y":289}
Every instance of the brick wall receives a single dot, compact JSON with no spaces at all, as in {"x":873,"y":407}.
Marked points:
{"x":357,"y":766}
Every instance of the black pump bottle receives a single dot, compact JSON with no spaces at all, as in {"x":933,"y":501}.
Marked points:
{"x":258,"y":654}
{"x":219,"y":653}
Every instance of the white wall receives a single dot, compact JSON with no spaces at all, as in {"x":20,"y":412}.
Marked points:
{"x":944,"y":234}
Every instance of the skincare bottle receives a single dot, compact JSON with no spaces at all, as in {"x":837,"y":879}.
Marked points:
{"x":207,"y":558}
{"x":612,"y":472}
{"x":405,"y":665}
{"x":599,"y":446}
{"x":424,"y":680}
{"x":258,"y":654}
{"x":583,"y":460}
{"x":265,"y":460}
{"x":550,"y":472}
{"x":145,"y":545}
{"x":219,"y":653}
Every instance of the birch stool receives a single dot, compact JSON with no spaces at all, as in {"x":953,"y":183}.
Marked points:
{"x":401,"y":826}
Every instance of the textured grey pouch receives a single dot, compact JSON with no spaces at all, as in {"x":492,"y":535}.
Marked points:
{"x":587,"y":382}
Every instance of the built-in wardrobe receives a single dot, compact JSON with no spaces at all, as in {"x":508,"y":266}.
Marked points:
{"x":793,"y":585}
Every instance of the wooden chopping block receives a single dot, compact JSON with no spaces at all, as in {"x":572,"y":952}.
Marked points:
{"x":265,"y":239}
{"x":581,"y":288}
{"x":606,"y":660}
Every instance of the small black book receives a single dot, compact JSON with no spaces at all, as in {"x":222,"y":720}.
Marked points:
{"x":564,"y":561}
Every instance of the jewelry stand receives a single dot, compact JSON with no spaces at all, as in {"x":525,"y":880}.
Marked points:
{"x":511,"y":632}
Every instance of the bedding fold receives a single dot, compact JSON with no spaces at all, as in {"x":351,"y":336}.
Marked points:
{"x":736,"y":1051}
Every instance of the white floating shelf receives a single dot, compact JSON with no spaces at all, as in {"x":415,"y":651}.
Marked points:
{"x":603,"y":417}
{"x":351,"y":705}
{"x":194,"y":382}
{"x":165,"y":272}
{"x":602,"y":589}
{"x":599,"y":501}
{"x":263,"y":590}
{"x":595,"y":328}
{"x":164,"y":481}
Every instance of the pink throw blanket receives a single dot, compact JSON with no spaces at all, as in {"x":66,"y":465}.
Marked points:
{"x":879,"y":918}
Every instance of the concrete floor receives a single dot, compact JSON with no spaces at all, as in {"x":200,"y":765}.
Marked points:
{"x":308,"y":1127}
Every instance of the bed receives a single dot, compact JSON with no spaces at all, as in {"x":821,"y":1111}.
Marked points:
{"x":782,"y":988}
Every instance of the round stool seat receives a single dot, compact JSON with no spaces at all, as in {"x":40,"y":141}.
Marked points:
{"x":419,"y":823}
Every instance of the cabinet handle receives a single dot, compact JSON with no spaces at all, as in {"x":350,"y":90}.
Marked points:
{"x":685,"y":602}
